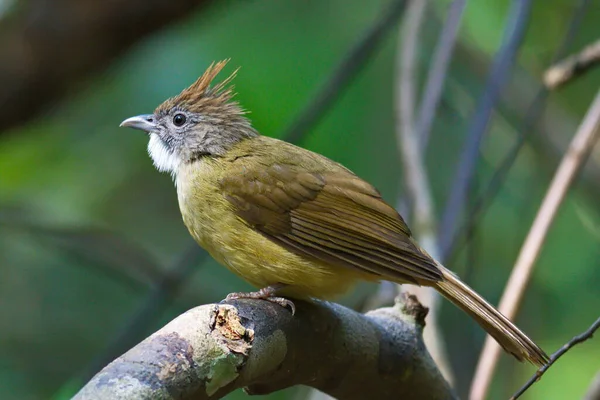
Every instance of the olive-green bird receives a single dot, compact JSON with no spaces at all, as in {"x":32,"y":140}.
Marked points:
{"x":290,"y":221}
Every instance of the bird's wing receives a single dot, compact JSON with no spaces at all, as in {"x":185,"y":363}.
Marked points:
{"x":334,"y":217}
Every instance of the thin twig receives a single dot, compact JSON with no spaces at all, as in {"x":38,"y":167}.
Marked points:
{"x":575,"y":156}
{"x":575,"y":341}
{"x":350,"y":65}
{"x":572,"y":67}
{"x":438,"y":67}
{"x":347,"y":69}
{"x":416,"y":180}
{"x":532,"y":115}
{"x":503,"y":62}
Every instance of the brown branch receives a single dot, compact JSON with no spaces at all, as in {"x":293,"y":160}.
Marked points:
{"x":573,"y":66}
{"x":569,"y":345}
{"x":214,"y":349}
{"x":577,"y":153}
{"x":48,"y":47}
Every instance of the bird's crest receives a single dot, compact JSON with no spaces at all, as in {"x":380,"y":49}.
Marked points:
{"x":201,"y":97}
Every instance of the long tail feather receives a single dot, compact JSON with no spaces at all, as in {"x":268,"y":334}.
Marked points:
{"x":501,"y":328}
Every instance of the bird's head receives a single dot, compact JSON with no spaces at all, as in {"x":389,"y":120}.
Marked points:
{"x":200,"y":121}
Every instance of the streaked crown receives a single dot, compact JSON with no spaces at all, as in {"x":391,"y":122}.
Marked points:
{"x":201,"y":97}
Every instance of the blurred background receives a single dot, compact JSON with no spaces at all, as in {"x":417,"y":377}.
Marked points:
{"x":94,"y":255}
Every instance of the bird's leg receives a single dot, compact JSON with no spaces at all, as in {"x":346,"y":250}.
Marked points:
{"x":267,"y":293}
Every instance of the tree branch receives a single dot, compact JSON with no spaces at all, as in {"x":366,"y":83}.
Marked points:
{"x":48,"y":47}
{"x":214,"y":349}
{"x":574,"y":66}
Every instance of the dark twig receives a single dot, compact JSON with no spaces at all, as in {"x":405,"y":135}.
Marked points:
{"x":503,"y":62}
{"x":438,"y":67}
{"x":574,"y":66}
{"x":534,"y":111}
{"x":354,"y":60}
{"x":575,"y":341}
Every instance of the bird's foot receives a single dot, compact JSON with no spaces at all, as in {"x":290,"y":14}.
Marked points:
{"x":267,"y":293}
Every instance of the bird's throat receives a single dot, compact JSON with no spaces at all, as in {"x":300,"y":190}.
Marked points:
{"x":164,"y":159}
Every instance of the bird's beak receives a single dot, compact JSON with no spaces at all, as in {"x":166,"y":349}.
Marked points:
{"x":141,"y":122}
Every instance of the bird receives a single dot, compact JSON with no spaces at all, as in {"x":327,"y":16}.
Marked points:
{"x":291,"y":222}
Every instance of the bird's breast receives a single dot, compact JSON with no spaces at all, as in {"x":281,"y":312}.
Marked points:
{"x":214,"y":225}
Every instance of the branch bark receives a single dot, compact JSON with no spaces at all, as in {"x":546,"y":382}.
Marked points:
{"x":50,"y":46}
{"x":214,"y":349}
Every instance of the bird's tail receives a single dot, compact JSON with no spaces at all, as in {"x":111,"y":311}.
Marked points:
{"x":505,"y":332}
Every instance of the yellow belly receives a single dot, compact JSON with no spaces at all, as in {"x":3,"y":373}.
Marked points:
{"x":247,"y":253}
{"x":262,"y":262}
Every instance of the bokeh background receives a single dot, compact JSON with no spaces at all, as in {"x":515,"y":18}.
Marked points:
{"x":93,"y":252}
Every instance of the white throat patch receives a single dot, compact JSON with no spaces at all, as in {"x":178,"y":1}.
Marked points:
{"x":163,"y":159}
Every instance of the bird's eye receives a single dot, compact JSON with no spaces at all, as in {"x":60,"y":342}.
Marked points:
{"x":179,"y":119}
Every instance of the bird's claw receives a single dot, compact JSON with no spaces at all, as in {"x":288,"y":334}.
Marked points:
{"x":264,"y":294}
{"x":283,"y":302}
